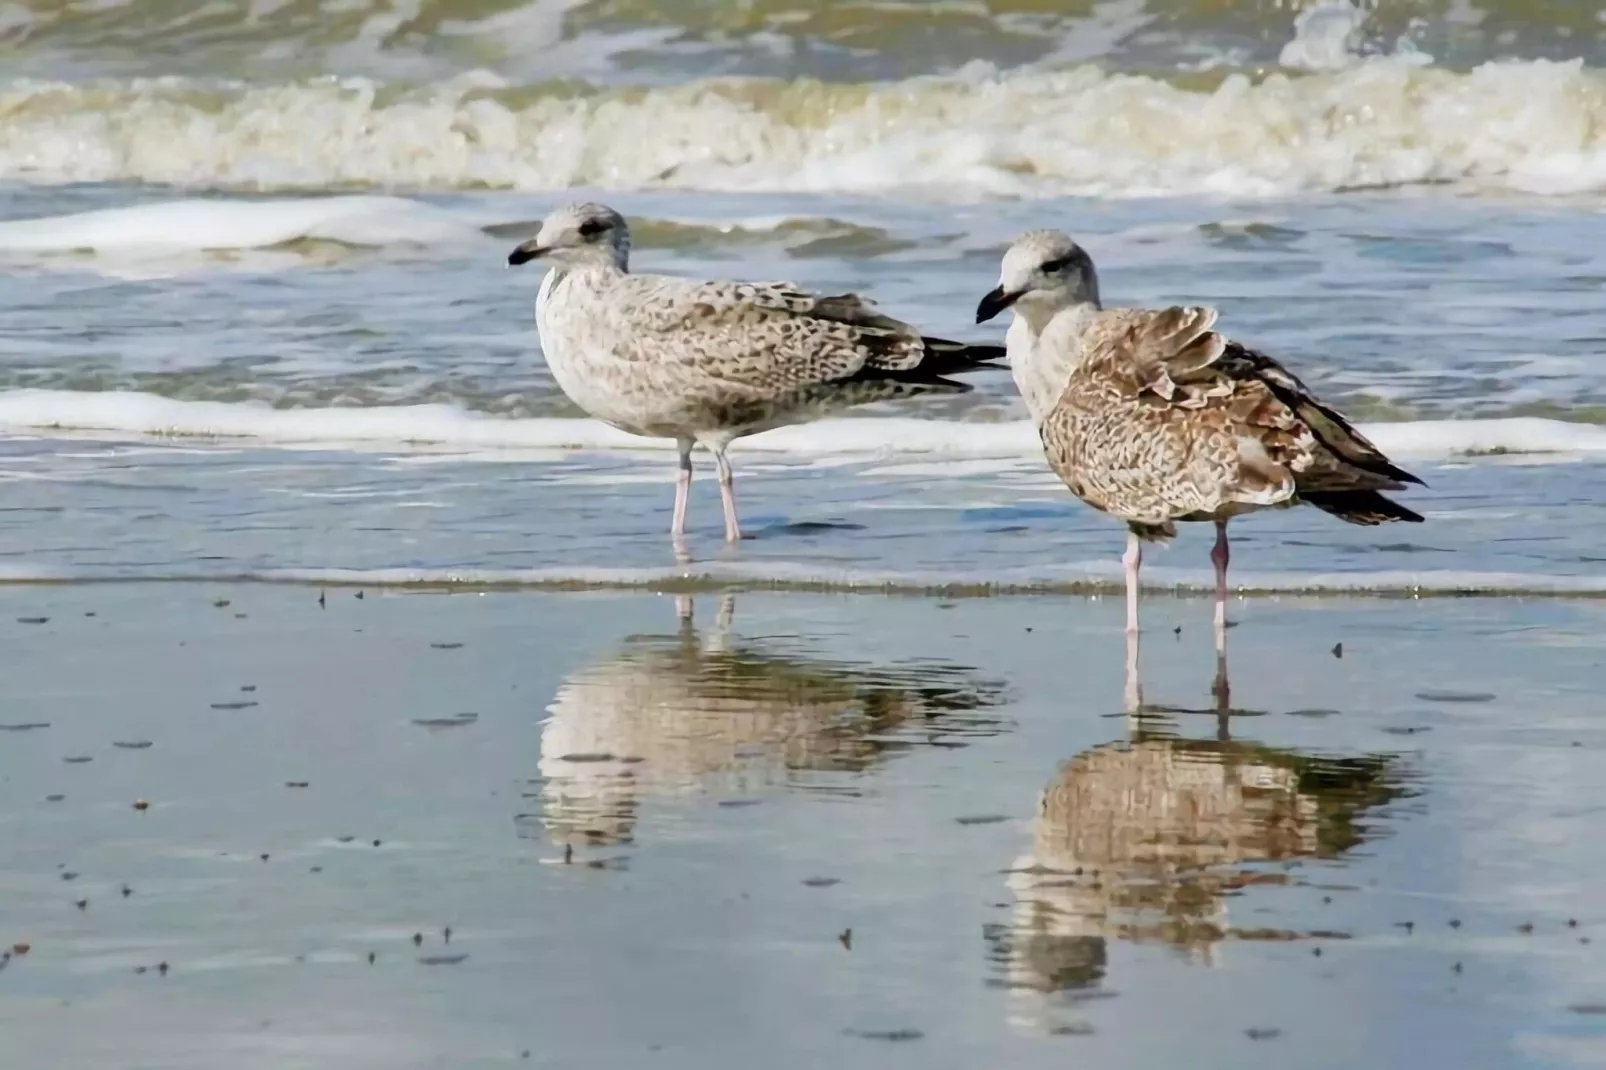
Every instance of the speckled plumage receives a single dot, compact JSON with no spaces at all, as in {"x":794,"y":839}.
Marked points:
{"x":1154,"y":417}
{"x":1163,"y":419}
{"x":710,"y":362}
{"x":664,"y":357}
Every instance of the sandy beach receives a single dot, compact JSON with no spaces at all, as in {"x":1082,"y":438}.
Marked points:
{"x":794,"y":829}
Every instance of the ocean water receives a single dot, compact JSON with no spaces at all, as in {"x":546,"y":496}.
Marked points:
{"x":258,"y":320}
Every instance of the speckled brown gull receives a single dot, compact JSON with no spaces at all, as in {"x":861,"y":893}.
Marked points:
{"x":709,"y":362}
{"x":1152,"y":416}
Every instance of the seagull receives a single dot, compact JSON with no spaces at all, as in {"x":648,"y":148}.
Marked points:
{"x":705,"y":363}
{"x":1153,"y":417}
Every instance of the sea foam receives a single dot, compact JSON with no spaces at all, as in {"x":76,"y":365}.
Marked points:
{"x":129,"y":413}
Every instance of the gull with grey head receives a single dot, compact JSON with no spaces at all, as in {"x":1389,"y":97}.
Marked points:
{"x":706,"y":363}
{"x":1152,"y":416}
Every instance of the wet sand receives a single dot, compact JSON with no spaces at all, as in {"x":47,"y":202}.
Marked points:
{"x":795,"y":831}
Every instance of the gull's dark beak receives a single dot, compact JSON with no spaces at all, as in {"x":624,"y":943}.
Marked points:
{"x":994,"y":303}
{"x":524,"y":252}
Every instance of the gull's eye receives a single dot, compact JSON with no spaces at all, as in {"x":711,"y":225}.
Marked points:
{"x":1052,"y":266}
{"x":592,"y":227}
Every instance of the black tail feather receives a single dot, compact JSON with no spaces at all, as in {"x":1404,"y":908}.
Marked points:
{"x":944,"y":357}
{"x":1366,"y":507}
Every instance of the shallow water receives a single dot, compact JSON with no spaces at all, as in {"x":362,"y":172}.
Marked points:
{"x":798,"y":828}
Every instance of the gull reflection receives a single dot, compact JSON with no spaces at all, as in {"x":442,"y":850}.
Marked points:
{"x":1146,"y":839}
{"x":716,"y":713}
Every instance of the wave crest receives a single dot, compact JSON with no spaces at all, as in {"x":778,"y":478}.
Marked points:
{"x":1529,"y":126}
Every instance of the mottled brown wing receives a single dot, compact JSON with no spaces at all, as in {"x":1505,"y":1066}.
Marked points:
{"x":1175,"y":357}
{"x":769,"y":338}
{"x":1331,"y":427}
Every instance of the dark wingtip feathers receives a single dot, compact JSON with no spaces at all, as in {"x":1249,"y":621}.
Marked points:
{"x":1364,"y":507}
{"x":945,"y":358}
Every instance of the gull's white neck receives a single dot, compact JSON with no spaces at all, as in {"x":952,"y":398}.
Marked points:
{"x":1043,"y":350}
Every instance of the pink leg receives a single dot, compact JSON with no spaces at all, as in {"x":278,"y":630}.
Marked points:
{"x":727,"y":496}
{"x":1132,"y":559}
{"x":1134,"y":686}
{"x":677,"y":526}
{"x":1219,"y":556}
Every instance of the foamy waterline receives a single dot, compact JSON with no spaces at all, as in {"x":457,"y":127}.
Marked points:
{"x":446,"y":426}
{"x":1531,"y":126}
{"x":1078,"y":579}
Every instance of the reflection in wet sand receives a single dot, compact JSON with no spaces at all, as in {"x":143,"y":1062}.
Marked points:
{"x":1145,"y":839}
{"x":685,"y":713}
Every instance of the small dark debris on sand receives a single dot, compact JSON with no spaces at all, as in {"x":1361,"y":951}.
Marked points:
{"x":132,"y":744}
{"x":24,"y":726}
{"x":141,"y":805}
{"x":1526,"y":927}
{"x":82,"y":904}
{"x":322,"y":601}
{"x":78,"y":759}
{"x":731,"y":804}
{"x":820,"y":882}
{"x":54,"y":798}
{"x":981,"y":819}
{"x":358,"y":596}
{"x":220,"y":603}
{"x":441,"y":960}
{"x":418,"y":939}
{"x":1456,"y":696}
{"x":893,"y":1035}
{"x":371,"y":958}
{"x":1588,"y":1008}
{"x":1263,"y":1034}
{"x":845,"y":938}
{"x":33,"y":620}
{"x":69,"y":875}
{"x":297,"y":783}
{"x":238,"y":705}
{"x":446,"y":646}
{"x":1406,"y":925}
{"x":248,"y":688}
{"x":1338,"y":650}
{"x":127,"y":891}
{"x":446,"y":934}
{"x":457,"y":720}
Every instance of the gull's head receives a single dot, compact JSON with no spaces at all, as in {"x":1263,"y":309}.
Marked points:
{"x":1043,"y":272}
{"x":578,"y":234}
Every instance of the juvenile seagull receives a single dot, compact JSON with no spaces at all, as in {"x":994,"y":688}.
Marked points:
{"x":1153,"y":417}
{"x":709,"y":362}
